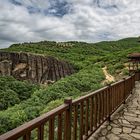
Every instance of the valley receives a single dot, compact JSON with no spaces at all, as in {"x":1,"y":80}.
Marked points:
{"x":92,"y":63}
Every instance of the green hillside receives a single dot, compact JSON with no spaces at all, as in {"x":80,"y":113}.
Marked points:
{"x":88,"y":60}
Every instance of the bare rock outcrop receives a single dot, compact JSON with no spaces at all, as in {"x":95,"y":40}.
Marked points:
{"x":34,"y":68}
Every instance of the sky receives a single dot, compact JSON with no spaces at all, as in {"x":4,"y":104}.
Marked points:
{"x":66,"y":20}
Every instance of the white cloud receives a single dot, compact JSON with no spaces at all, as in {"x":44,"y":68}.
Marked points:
{"x":87,"y":20}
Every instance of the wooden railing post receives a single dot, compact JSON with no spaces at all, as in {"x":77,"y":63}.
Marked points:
{"x":68,"y":118}
{"x":109,"y":102}
{"x":124,"y":96}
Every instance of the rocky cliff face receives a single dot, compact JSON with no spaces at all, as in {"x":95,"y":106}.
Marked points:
{"x":35,"y":68}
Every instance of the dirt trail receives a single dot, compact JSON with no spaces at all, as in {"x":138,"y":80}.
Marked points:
{"x":109,"y":78}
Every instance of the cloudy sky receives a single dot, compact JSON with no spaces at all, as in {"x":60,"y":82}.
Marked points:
{"x":63,"y":20}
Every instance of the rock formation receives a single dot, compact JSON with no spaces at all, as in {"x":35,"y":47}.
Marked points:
{"x":34,"y":68}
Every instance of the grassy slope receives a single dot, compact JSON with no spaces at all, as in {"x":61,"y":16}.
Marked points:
{"x":88,"y":59}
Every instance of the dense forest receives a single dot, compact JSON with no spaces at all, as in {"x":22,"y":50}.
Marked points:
{"x":21,"y":101}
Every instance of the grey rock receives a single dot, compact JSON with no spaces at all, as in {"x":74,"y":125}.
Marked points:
{"x":126,"y":137}
{"x":136,"y":131}
{"x":127,"y":130}
{"x":135,"y":135}
{"x":116,"y":130}
{"x":104,"y":132}
{"x":112,"y":137}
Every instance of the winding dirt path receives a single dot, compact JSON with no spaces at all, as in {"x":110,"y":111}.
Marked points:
{"x":109,"y":78}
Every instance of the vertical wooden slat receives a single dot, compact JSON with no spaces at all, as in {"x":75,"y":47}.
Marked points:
{"x":59,"y":132}
{"x":124,"y":91}
{"x":27,"y":136}
{"x":51,"y":129}
{"x":67,"y":120}
{"x":98,"y":109}
{"x":102,"y":106}
{"x":105,"y":104}
{"x":119,"y":95}
{"x":109,"y":100}
{"x":116,"y":92}
{"x":65,"y":126}
{"x":84,"y":117}
{"x":87,"y":116}
{"x":91,"y":114}
{"x":130,"y":84}
{"x":75,"y":123}
{"x":81,"y":120}
{"x":95,"y":111}
{"x":128,"y":87}
{"x":134,"y":79}
{"x":41,"y":132}
{"x":114,"y":98}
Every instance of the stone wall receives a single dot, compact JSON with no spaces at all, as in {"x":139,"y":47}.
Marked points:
{"x":35,"y":68}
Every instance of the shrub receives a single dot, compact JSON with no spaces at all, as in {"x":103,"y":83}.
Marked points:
{"x":8,"y":98}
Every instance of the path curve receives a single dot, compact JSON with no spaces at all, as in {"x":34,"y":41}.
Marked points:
{"x":109,"y":78}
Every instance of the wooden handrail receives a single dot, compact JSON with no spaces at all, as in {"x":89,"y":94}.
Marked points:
{"x":89,"y":95}
{"x":35,"y":123}
{"x":77,"y":119}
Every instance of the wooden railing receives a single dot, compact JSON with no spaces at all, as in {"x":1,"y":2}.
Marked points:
{"x":77,"y":119}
